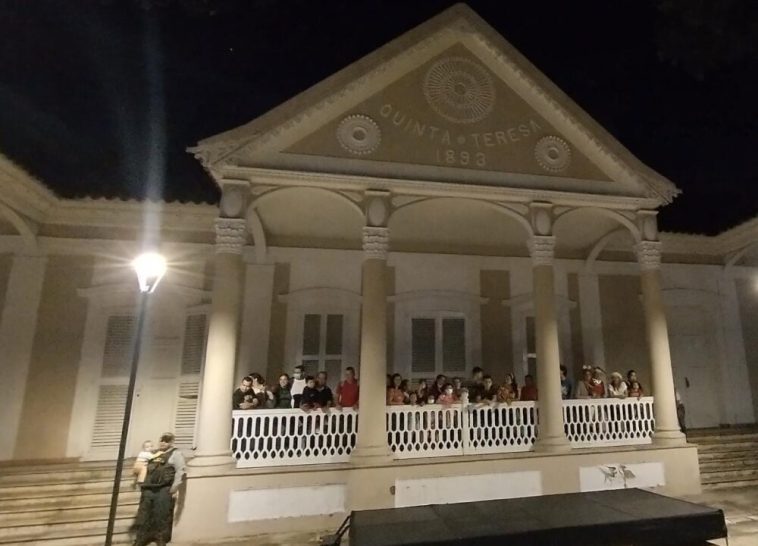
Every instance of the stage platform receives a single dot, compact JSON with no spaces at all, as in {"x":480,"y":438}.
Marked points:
{"x":622,"y":517}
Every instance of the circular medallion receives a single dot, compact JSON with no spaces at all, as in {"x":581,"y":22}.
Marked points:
{"x":459,"y":90}
{"x":359,"y":134}
{"x":552,"y":153}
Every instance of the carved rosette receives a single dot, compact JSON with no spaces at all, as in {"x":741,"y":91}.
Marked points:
{"x":542,"y":249}
{"x":230,"y":235}
{"x":552,"y":153}
{"x":359,"y":134}
{"x":649,"y":255}
{"x":375,"y":242}
{"x":459,"y":90}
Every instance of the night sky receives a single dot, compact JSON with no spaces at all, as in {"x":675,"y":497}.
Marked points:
{"x":102,"y":97}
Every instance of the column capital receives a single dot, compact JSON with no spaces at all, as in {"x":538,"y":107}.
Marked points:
{"x":375,"y":242}
{"x":542,"y":249}
{"x":230,"y":235}
{"x":649,"y":254}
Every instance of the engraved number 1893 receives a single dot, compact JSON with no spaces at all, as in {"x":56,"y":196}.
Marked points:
{"x":461,"y":157}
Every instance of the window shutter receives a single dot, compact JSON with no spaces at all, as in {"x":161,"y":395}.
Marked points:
{"x":193,"y":351}
{"x":334,"y":334}
{"x":453,"y":344}
{"x":119,"y":341}
{"x":109,"y":417}
{"x":186,"y":414}
{"x":311,"y":334}
{"x":422,"y":350}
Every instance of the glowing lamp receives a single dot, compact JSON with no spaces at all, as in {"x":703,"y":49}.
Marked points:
{"x":150,"y":268}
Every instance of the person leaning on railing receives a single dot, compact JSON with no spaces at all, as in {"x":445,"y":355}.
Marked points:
{"x":243,"y":398}
{"x":282,"y":392}
{"x":346,"y":394}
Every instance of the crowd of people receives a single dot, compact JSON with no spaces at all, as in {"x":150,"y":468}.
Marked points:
{"x":309,"y":392}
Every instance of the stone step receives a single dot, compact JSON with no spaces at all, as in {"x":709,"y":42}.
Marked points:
{"x":88,"y":498}
{"x":723,"y":431}
{"x":726,"y":439}
{"x":727,"y":455}
{"x":727,"y":446}
{"x":62,"y":528}
{"x":68,"y":513}
{"x":738,"y":483}
{"x":729,"y":464}
{"x":91,"y":536}
{"x":61,"y":475}
{"x":728,"y":475}
{"x":61,"y":489}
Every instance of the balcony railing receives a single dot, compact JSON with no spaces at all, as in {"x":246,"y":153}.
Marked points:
{"x":294,"y":437}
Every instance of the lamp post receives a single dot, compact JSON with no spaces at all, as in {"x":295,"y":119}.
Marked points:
{"x":150,"y":268}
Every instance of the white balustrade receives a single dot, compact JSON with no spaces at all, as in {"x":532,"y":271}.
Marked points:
{"x":609,"y":421}
{"x":425,"y":431}
{"x":501,"y":428}
{"x":293,"y":437}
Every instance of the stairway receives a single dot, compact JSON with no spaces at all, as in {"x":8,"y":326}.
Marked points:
{"x":63,"y":504}
{"x":728,"y":456}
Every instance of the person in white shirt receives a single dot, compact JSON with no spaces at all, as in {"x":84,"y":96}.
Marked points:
{"x":617,"y":388}
{"x":298,"y":384}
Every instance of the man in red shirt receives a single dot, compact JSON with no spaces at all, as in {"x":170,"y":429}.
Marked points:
{"x":529,"y":390}
{"x":347,"y":390}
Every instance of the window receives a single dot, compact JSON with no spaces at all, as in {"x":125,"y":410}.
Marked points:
{"x":531,"y":348}
{"x":438,"y":345}
{"x":322,"y":347}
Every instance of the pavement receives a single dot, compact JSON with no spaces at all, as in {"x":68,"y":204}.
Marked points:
{"x":740,"y":506}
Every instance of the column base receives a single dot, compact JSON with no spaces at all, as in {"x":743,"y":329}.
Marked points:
{"x":553,"y":444}
{"x":669,"y":438}
{"x":371,"y":456}
{"x":223,"y":459}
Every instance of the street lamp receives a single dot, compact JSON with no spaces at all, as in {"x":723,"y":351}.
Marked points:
{"x":150,"y":268}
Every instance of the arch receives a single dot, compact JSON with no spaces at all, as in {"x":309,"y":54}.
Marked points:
{"x":736,"y":256}
{"x":608,"y":213}
{"x":332,"y":194}
{"x":521,"y":220}
{"x":599,"y":246}
{"x":21,"y":225}
{"x":255,"y":226}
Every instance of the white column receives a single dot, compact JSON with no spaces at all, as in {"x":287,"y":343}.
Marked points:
{"x":735,"y":381}
{"x":256,"y":320}
{"x":592,"y":319}
{"x":371,"y":444}
{"x":667,"y":430}
{"x":17,"y":327}
{"x":214,"y":418}
{"x":551,"y":435}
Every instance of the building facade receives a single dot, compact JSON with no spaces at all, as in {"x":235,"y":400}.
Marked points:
{"x":436,"y":206}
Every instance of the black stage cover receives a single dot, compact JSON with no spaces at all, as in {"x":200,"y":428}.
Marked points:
{"x":623,"y":517}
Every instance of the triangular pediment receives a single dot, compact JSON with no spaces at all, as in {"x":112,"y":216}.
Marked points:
{"x":449,"y":101}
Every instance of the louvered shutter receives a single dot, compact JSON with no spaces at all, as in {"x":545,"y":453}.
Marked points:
{"x":119,"y":342}
{"x":186,"y":414}
{"x":193,"y":351}
{"x":193,"y":356}
{"x":106,"y":432}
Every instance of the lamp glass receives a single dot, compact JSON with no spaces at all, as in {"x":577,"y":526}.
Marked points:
{"x":150,"y":268}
